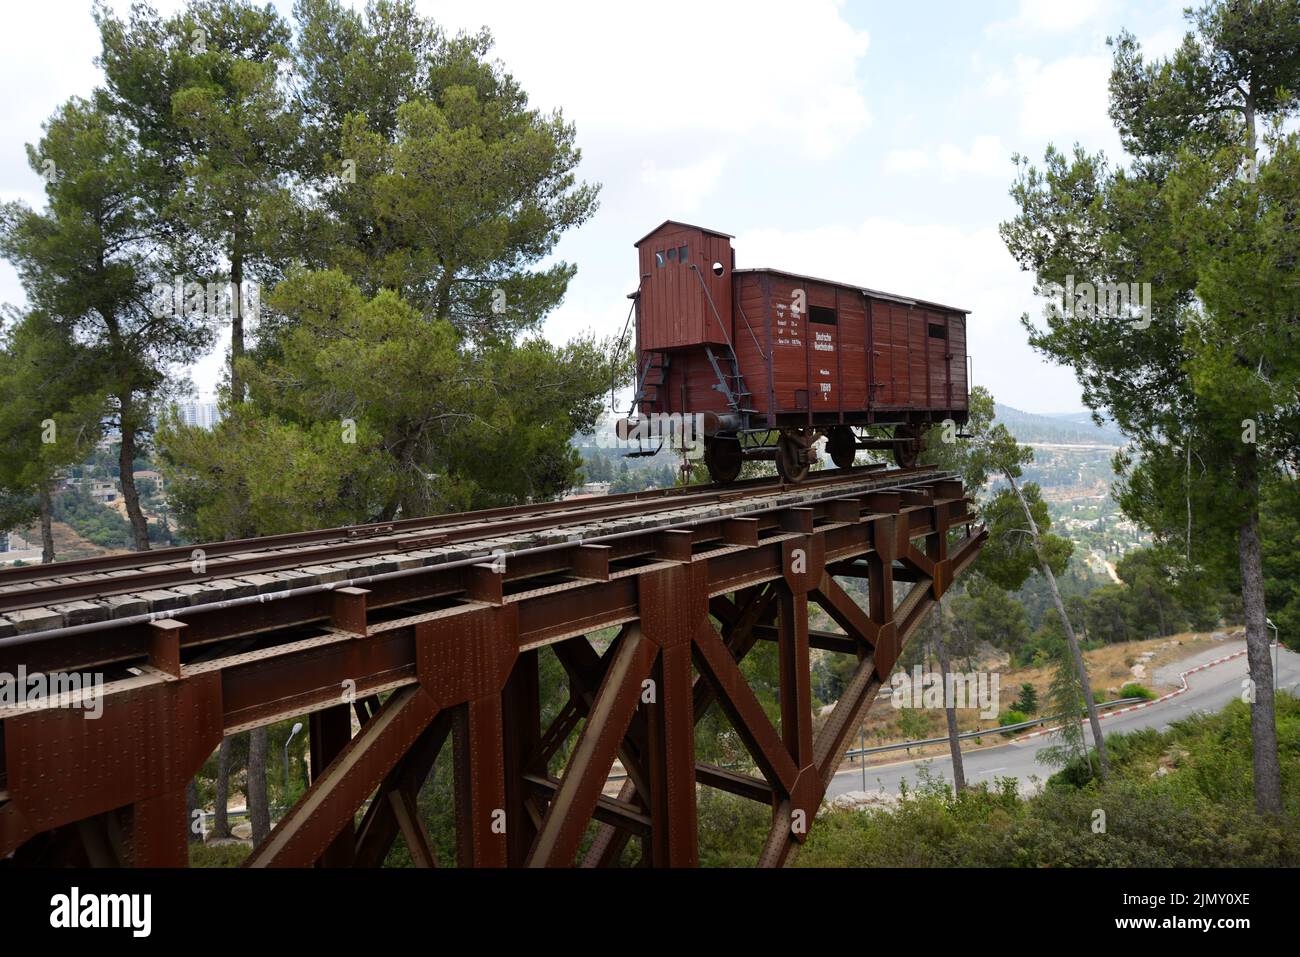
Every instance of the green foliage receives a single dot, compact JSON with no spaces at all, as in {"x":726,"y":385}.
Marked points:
{"x":1195,"y":98}
{"x":93,"y":521}
{"x":219,"y":855}
{"x":915,"y":724}
{"x":983,"y":612}
{"x":1207,"y":391}
{"x":1027,"y":702}
{"x":1205,"y":377}
{"x":1135,"y":690}
{"x":458,"y":188}
{"x":49,"y":412}
{"x":975,"y":460}
{"x":218,"y":136}
{"x":85,"y":263}
{"x":1011,"y":716}
{"x":1065,"y":698}
{"x":1200,"y":813}
{"x":1008,"y":557}
{"x":1280,"y":543}
{"x":399,"y":366}
{"x":256,"y":475}
{"x":732,"y":829}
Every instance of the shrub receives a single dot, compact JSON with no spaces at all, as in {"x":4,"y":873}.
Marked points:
{"x":1198,"y":814}
{"x":1011,"y":717}
{"x":1135,"y":690}
{"x":219,"y":855}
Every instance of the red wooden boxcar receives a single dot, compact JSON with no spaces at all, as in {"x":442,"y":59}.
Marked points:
{"x":772,"y":360}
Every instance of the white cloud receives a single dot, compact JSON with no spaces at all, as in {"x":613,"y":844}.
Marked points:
{"x":997,"y":83}
{"x":908,"y":161}
{"x":986,"y":156}
{"x":1162,"y":43}
{"x":682,"y":188}
{"x":731,"y":73}
{"x":1049,"y":16}
{"x":1067,"y":100}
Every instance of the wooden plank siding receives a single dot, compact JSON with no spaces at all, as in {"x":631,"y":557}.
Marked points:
{"x":675,"y":310}
{"x":850,"y":356}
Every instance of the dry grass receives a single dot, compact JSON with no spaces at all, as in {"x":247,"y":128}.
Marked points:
{"x":1109,"y":669}
{"x":68,"y":545}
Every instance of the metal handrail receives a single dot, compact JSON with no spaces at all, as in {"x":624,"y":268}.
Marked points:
{"x":858,"y":752}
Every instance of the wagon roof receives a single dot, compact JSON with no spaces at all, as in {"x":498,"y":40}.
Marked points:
{"x":678,"y":222}
{"x":893,"y":297}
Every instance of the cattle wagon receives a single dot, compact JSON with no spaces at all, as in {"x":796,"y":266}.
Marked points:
{"x":770,"y":361}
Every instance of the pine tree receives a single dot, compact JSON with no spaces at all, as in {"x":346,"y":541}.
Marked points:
{"x":1206,"y":380}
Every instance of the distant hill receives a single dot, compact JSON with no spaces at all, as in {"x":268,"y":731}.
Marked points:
{"x":1070,"y":428}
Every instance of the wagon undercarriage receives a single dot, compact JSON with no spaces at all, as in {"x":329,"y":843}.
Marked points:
{"x":764,"y":364}
{"x":793,"y":450}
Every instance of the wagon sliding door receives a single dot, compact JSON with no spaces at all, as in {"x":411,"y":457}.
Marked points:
{"x":958,"y":381}
{"x":890,"y":368}
{"x":938,"y":354}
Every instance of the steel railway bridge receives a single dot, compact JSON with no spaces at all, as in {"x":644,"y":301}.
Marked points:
{"x":430,"y":629}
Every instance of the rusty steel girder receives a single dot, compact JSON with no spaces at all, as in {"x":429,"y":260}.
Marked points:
{"x":453,"y":652}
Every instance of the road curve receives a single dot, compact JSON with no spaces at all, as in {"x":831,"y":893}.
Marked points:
{"x":1208,"y":691}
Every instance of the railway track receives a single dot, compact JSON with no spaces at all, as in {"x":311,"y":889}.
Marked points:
{"x":395,"y":651}
{"x":40,"y":598}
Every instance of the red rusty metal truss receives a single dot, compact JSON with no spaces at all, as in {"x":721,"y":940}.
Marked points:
{"x":452,"y":653}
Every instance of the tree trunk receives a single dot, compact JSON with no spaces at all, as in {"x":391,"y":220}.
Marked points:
{"x":442,"y":294}
{"x":220,"y":822}
{"x":47,"y":526}
{"x":192,"y":805}
{"x":236,"y":321}
{"x":126,"y":466}
{"x":1263,"y":727}
{"x":259,"y":812}
{"x":1071,"y":640}
{"x":954,"y":743}
{"x":1249,"y":111}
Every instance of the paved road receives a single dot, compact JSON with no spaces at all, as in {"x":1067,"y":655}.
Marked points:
{"x":1208,"y":691}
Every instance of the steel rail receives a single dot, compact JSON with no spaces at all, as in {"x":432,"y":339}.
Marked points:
{"x":344,"y":533}
{"x":151,"y":570}
{"x":339,"y":533}
{"x":68,"y":631}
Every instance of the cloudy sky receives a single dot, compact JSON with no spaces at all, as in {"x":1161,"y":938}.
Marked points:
{"x":863,"y":141}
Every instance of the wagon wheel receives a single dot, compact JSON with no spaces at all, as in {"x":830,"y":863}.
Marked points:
{"x":787,"y":458}
{"x":842,"y":446}
{"x":909,"y":447}
{"x":723,"y":458}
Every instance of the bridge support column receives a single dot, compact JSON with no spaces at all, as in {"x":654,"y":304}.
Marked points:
{"x":521,"y":715}
{"x":481,"y":820}
{"x":329,"y":732}
{"x":159,"y":831}
{"x":674,"y":604}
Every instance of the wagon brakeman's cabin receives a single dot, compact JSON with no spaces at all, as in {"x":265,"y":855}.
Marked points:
{"x":763,"y":351}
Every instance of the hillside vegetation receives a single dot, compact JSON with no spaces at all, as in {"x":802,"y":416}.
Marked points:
{"x":1177,"y":799}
